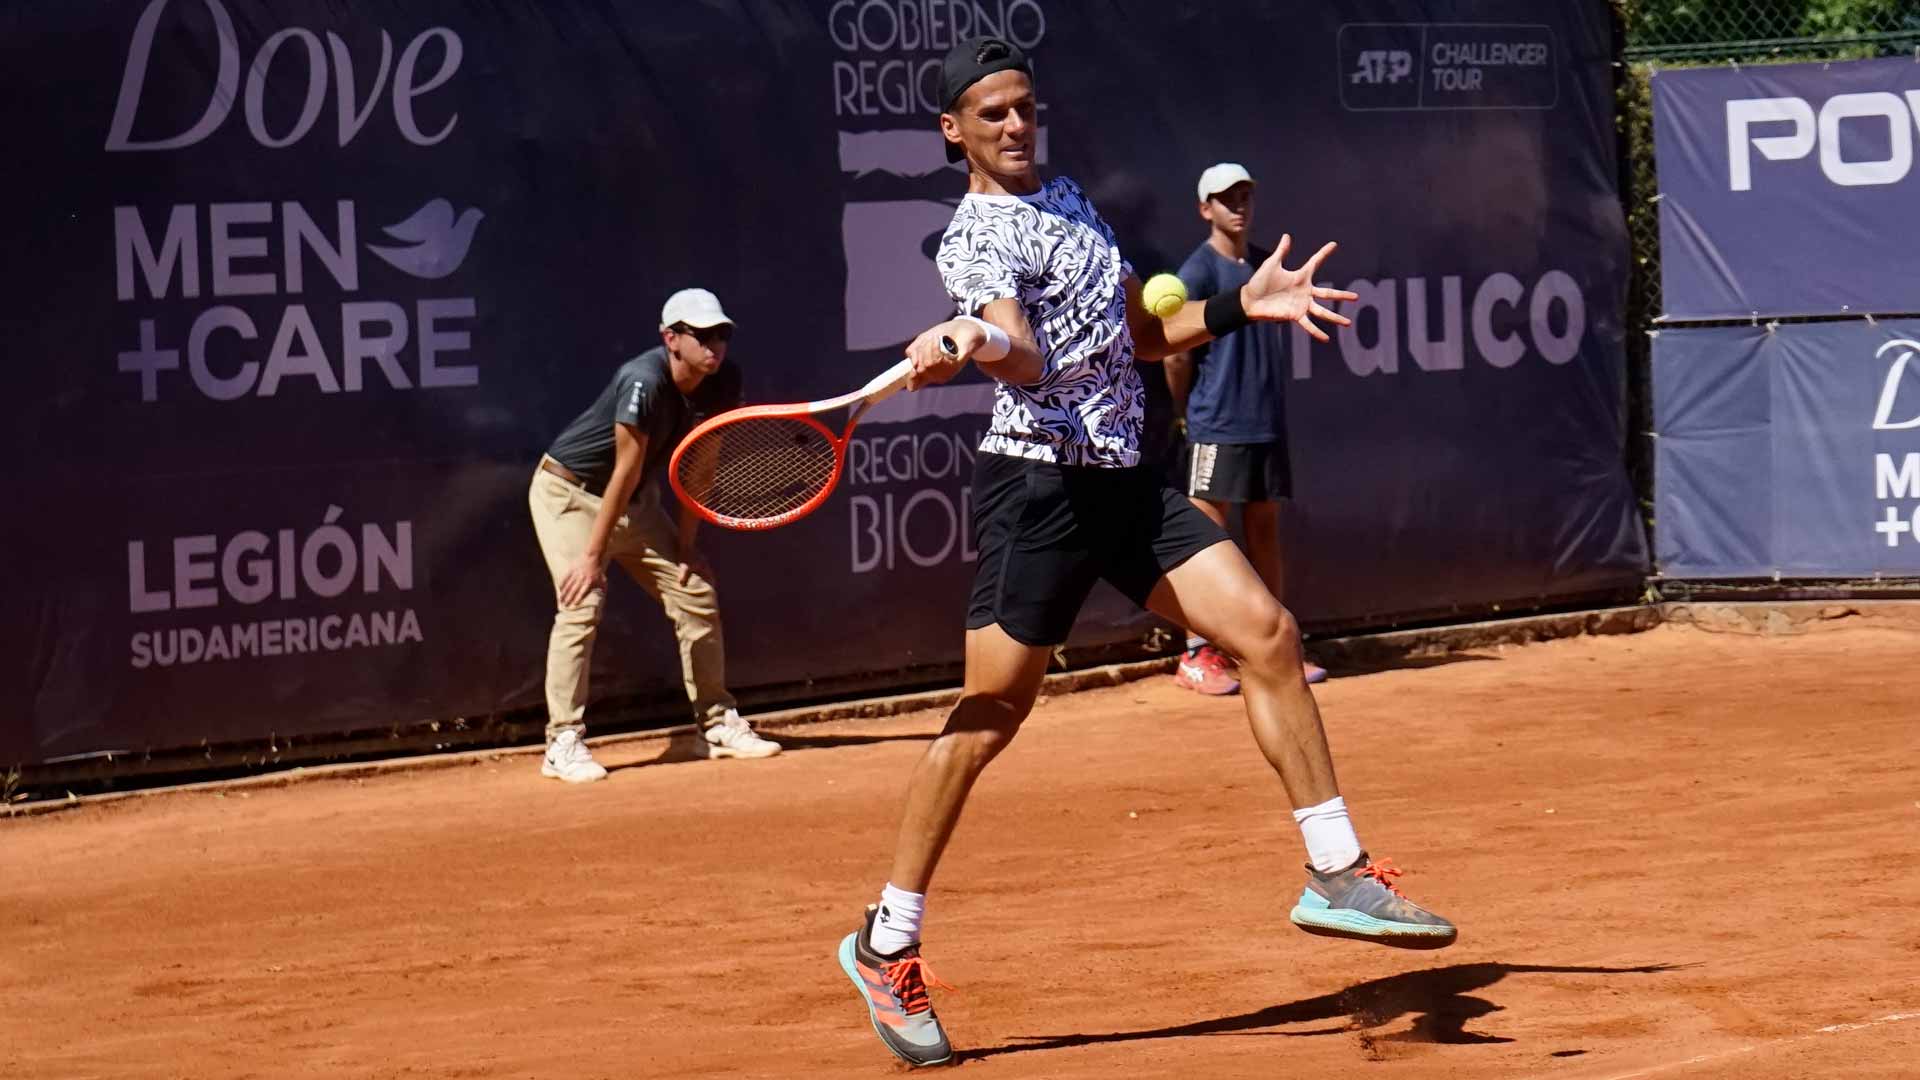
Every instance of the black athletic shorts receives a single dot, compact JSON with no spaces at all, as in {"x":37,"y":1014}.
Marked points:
{"x":1045,"y":533}
{"x":1239,"y":472}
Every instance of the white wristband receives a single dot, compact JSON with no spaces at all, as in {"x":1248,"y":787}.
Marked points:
{"x":998,"y":343}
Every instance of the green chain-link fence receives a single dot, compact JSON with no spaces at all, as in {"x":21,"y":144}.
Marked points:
{"x":1692,"y":33}
{"x":1715,"y":30}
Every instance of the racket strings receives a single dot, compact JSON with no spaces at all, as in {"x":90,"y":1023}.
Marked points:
{"x":757,"y":468}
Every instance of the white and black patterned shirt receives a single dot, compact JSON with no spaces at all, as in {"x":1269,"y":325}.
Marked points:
{"x":1052,"y":253}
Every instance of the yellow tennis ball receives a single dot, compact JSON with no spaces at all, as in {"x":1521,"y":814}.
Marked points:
{"x":1163,"y":294}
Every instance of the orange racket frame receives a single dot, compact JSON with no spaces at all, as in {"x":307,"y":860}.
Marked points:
{"x":882,"y":386}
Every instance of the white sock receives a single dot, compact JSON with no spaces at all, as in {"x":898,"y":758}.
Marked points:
{"x":1331,"y":843}
{"x":898,"y":923}
{"x":1194,"y":641}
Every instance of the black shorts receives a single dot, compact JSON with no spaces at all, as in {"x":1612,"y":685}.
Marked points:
{"x":1239,"y":472}
{"x":1045,"y":533}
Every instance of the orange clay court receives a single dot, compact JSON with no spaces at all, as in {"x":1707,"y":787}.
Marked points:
{"x":1676,"y":854}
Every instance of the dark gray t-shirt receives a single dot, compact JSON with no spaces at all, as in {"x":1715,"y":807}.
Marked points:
{"x":642,"y":395}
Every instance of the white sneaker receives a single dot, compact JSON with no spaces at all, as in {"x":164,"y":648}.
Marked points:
{"x":732,"y":737}
{"x":569,"y":759}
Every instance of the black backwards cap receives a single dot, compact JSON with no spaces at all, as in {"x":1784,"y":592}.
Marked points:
{"x":969,"y":62}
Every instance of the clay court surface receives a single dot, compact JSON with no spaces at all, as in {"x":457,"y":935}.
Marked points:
{"x":1675,"y":854}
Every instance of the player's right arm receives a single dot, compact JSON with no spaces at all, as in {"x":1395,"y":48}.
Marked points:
{"x":1021,"y":366}
{"x":589,"y":569}
{"x":981,"y":269}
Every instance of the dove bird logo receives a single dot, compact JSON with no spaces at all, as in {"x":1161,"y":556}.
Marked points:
{"x":435,"y":241}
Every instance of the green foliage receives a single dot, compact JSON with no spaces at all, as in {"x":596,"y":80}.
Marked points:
{"x":1654,"y":24}
{"x":1677,"y":22}
{"x":1834,"y":18}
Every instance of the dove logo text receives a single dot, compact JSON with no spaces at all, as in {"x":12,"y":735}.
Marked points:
{"x":285,"y":58}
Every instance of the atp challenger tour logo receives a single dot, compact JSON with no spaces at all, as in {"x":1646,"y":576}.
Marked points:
{"x":232,"y":298}
{"x":1382,"y":66}
{"x":1421,"y":66}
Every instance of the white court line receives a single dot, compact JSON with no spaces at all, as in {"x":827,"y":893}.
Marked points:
{"x":1830,"y":1029}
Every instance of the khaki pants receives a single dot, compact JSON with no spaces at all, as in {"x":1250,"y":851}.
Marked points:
{"x":646,"y":544}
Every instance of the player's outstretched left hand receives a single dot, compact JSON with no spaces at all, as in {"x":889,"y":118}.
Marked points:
{"x":1277,"y":294}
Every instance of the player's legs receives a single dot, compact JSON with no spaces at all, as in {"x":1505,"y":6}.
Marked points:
{"x":1217,"y":479}
{"x":1258,"y":478}
{"x":1260,"y":521}
{"x":882,"y":957}
{"x":1002,"y":679}
{"x":563,"y":523}
{"x":1217,"y":594}
{"x":1264,"y":521}
{"x":1215,"y":511}
{"x":649,"y":551}
{"x":1265,"y":525}
{"x":1202,"y":667}
{"x":1036,"y":563}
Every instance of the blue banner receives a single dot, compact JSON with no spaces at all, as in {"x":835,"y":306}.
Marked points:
{"x":1787,"y":189}
{"x":1788,"y":451}
{"x":301,"y":290}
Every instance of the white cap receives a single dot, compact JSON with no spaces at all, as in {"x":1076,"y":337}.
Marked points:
{"x":693,"y":307}
{"x":1221,"y":177}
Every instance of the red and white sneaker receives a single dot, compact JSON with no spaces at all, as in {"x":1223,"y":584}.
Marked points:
{"x":1208,"y":671}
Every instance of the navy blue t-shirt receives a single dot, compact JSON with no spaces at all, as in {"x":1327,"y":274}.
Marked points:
{"x":1239,"y":381}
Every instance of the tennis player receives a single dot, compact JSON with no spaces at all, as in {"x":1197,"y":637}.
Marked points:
{"x":1052,"y":312}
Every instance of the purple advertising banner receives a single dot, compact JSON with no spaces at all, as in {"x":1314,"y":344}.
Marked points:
{"x":1788,"y":451}
{"x":1788,"y":189}
{"x":299,"y":290}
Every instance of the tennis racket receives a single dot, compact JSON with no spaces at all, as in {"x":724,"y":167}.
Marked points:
{"x":768,"y":465}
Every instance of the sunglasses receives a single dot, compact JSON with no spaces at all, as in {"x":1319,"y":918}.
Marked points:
{"x":705,"y":335}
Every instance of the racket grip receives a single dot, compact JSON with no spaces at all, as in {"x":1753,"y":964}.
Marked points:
{"x":885,"y":384}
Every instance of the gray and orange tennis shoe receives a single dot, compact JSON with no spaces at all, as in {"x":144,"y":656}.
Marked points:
{"x":894,"y":989}
{"x":1360,"y":902}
